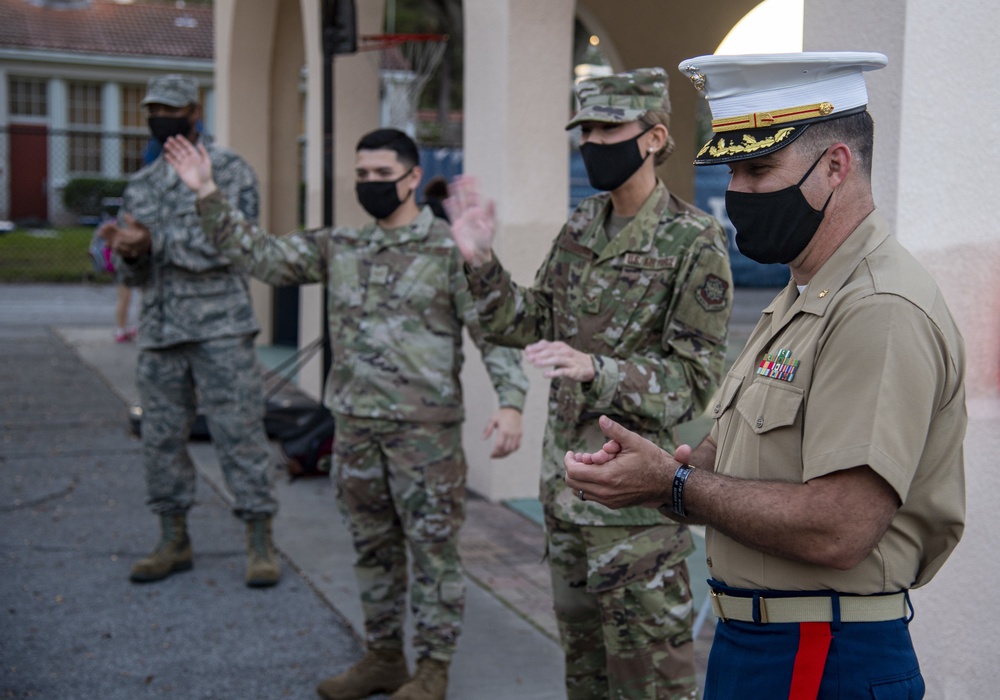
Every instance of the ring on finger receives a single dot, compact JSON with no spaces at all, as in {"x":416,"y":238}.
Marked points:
{"x":582,"y":495}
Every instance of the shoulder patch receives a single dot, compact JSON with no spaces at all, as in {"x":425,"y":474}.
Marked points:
{"x":712,"y":293}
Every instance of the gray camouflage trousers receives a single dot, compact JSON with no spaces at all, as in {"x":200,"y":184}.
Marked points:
{"x":624,"y":615}
{"x":223,"y":377}
{"x":401,"y":486}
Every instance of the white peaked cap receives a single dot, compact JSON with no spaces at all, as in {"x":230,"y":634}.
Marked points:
{"x":762,"y":102}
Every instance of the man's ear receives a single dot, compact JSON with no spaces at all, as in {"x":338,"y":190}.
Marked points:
{"x":839,"y":164}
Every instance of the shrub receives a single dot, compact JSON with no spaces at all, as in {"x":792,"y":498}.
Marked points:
{"x":90,"y":196}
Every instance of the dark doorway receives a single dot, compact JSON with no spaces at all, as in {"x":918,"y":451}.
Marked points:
{"x":285,"y":317}
{"x":29,"y":158}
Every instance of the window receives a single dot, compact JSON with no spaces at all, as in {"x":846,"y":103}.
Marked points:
{"x":135,"y":132}
{"x":85,"y":128}
{"x":28,"y":98}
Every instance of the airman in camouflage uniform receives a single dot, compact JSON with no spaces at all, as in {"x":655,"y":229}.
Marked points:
{"x":632,"y":314}
{"x":196,"y":338}
{"x":397,"y":300}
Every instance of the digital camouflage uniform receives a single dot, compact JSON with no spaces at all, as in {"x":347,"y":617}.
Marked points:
{"x":652,"y":308}
{"x":196,"y":329}
{"x":397,"y":301}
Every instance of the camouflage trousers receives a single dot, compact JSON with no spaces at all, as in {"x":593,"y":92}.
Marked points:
{"x":401,"y":486}
{"x":223,"y":378}
{"x":624,"y":612}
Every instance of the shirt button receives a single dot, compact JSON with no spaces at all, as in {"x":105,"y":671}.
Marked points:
{"x":760,"y":422}
{"x":717,"y":407}
{"x":709,"y":562}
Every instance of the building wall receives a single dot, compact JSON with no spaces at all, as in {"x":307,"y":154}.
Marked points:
{"x":59,"y":71}
{"x":935,"y":150}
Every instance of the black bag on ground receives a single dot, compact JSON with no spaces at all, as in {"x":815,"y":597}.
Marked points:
{"x":308,"y":451}
{"x":302,"y":427}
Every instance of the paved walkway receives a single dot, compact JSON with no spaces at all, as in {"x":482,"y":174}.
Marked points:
{"x":508,"y":649}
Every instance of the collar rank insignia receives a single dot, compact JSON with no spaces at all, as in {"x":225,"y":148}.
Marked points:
{"x":779,"y":365}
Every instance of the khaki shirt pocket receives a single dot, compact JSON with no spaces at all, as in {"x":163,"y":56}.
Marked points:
{"x":768,"y":437}
{"x":769,"y":405}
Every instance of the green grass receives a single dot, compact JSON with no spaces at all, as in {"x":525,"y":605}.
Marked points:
{"x":48,"y":255}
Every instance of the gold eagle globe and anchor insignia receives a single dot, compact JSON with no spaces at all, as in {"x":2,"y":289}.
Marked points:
{"x":697,"y":78}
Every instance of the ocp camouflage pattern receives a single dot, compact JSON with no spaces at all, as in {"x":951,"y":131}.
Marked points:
{"x":397,"y":301}
{"x":625,"y":612}
{"x":421,"y":508}
{"x":651,"y":306}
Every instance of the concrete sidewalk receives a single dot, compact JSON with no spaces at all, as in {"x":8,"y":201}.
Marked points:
{"x":508,"y":648}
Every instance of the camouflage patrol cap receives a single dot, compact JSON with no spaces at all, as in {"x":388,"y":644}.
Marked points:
{"x":623,"y":97}
{"x":173,"y":90}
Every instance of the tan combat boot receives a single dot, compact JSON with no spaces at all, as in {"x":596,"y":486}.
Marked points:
{"x":430,"y":682}
{"x":262,"y":561}
{"x":380,"y":671}
{"x":172,"y":553}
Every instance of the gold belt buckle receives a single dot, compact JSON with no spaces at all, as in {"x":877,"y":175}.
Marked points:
{"x":716,"y":599}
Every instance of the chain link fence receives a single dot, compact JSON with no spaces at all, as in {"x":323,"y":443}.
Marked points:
{"x":55,"y":187}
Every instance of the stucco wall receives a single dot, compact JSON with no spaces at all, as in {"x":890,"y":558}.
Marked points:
{"x":935,"y":151}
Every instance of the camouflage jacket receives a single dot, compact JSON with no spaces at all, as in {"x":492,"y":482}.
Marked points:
{"x":190,"y":290}
{"x":397,"y":301}
{"x":651,"y":307}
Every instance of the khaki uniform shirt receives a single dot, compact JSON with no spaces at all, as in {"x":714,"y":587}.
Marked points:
{"x":651,"y":306}
{"x":864,"y":367}
{"x":397,"y":302}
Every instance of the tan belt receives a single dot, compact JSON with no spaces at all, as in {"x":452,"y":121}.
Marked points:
{"x":877,"y":608}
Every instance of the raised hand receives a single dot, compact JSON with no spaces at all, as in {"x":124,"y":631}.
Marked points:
{"x":193,"y":164}
{"x":473,"y":220}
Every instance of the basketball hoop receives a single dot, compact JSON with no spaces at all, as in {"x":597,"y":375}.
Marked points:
{"x":405,"y":63}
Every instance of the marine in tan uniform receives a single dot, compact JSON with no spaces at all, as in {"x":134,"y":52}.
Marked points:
{"x":629,"y":313}
{"x":398,"y":301}
{"x":832,"y":482}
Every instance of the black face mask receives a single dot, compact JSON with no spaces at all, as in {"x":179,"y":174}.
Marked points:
{"x":609,"y":165}
{"x":774,"y":227}
{"x":163,"y":128}
{"x":380,"y":198}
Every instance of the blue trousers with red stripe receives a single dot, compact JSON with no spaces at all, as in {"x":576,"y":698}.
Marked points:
{"x":813,"y":661}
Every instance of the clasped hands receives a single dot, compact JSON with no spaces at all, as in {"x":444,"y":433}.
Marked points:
{"x":628,"y":470}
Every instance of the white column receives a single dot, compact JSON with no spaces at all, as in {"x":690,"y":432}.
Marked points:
{"x":518,"y":73}
{"x":208,"y":112}
{"x":936,"y":147}
{"x":4,"y":147}
{"x":111,"y":125}
{"x":58,"y":145}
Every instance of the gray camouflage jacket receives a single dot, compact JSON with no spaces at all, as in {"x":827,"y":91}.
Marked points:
{"x":651,"y":307}
{"x":397,"y":301}
{"x":190,"y":290}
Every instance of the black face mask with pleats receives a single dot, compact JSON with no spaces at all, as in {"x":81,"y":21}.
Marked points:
{"x":380,"y":199}
{"x":774,"y":227}
{"x":609,"y":165}
{"x":162,"y":128}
